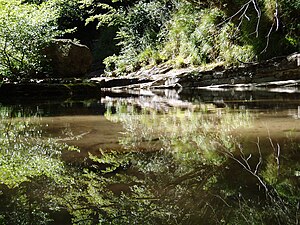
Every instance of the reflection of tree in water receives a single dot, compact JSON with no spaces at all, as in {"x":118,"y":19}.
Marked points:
{"x":194,"y":176}
{"x":27,"y":163}
{"x":191,"y":180}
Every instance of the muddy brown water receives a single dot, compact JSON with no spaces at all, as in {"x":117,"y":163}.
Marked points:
{"x":93,"y":132}
{"x":84,"y":125}
{"x":270,"y":128}
{"x":88,"y":133}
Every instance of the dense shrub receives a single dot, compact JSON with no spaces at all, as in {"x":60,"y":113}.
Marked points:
{"x":24,"y":30}
{"x":290,"y":10}
{"x":185,"y":35}
{"x":268,"y":26}
{"x":139,"y":34}
{"x":180,"y":32}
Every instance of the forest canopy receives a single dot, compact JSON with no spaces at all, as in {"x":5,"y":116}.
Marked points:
{"x":145,"y":33}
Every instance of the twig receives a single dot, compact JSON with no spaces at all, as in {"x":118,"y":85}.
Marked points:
{"x":276,"y":153}
{"x":260,"y":157}
{"x":276,"y":24}
{"x":245,"y":164}
{"x":268,"y":39}
{"x":222,"y":199}
{"x":258,"y":11}
{"x":242,"y":12}
{"x":237,"y":13}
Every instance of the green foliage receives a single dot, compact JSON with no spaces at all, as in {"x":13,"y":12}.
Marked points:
{"x":187,"y":134}
{"x":192,"y":33}
{"x":188,"y":180}
{"x":107,"y":18}
{"x":195,"y":37}
{"x":178,"y":184}
{"x":290,"y":10}
{"x":141,"y":25}
{"x":233,"y":53}
{"x":105,"y":14}
{"x":30,"y":166}
{"x":139,"y":35}
{"x":185,"y":36}
{"x":264,"y":26}
{"x":25,"y":155}
{"x":71,"y":13}
{"x":182,"y":33}
{"x":25,"y":29}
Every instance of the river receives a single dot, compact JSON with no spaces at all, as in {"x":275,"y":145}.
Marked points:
{"x":162,"y":157}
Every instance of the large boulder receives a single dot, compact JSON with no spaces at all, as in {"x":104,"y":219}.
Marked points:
{"x":69,"y":59}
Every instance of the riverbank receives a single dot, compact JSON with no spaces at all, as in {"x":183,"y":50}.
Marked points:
{"x":281,"y":73}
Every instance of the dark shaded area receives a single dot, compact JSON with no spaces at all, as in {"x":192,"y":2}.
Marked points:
{"x":259,"y":99}
{"x":27,"y":92}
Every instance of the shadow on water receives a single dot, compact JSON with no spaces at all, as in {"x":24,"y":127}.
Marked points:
{"x":179,"y":160}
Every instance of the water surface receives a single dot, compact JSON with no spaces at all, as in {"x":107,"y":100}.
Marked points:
{"x":197,"y":157}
